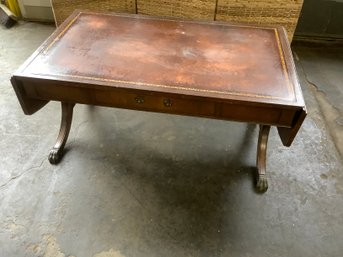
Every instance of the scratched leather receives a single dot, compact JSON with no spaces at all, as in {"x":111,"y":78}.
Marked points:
{"x":219,"y":58}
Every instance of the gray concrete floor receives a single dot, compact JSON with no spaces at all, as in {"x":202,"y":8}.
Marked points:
{"x":146,"y":184}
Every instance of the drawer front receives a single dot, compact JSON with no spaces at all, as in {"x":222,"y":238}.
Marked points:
{"x":155,"y":103}
{"x":121,"y":99}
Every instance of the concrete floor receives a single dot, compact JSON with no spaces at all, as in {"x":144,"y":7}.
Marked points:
{"x":146,"y":184}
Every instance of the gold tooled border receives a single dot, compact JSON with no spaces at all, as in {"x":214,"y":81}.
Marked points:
{"x":61,"y":33}
{"x":282,"y":60}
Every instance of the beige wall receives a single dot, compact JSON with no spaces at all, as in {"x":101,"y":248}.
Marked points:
{"x":36,"y":10}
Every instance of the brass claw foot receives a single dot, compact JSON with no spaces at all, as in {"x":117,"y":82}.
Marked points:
{"x":55,"y":153}
{"x":262,"y":182}
{"x":54,"y":156}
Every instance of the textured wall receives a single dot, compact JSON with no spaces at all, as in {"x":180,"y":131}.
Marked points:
{"x":265,"y":12}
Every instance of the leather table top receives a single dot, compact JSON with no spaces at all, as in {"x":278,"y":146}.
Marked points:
{"x":211,"y":59}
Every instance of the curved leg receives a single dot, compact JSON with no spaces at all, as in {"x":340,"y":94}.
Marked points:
{"x":262,"y":182}
{"x":67,"y":115}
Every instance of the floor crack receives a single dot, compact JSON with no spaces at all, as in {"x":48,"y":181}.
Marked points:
{"x":77,"y":132}
{"x":21,"y":174}
{"x":326,"y":120}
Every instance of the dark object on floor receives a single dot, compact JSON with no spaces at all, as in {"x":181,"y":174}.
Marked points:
{"x":7,"y":18}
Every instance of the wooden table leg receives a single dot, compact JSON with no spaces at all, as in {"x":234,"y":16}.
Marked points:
{"x":67,"y":116}
{"x":262,"y":182}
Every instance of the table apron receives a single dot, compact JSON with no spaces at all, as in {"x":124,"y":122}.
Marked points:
{"x":162,"y":102}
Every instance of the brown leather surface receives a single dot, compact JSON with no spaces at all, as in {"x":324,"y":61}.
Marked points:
{"x":183,"y":56}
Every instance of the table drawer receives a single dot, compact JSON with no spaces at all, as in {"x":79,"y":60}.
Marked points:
{"x":154,"y":102}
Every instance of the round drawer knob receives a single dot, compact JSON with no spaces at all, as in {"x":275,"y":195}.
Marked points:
{"x":167,"y":102}
{"x":139,"y":99}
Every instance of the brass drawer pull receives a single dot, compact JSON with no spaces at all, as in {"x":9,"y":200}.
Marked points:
{"x":167,"y":102}
{"x":139,"y":99}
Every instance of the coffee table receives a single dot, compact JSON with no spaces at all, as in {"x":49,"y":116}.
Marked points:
{"x":216,"y":70}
